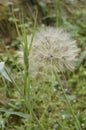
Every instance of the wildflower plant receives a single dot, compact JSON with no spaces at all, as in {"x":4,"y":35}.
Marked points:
{"x":53,"y":50}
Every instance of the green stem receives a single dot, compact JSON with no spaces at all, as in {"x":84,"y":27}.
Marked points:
{"x":58,"y":13}
{"x":68,"y":103}
{"x":27,"y":91}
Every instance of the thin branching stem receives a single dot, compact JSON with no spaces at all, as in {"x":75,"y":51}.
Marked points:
{"x":26,"y":50}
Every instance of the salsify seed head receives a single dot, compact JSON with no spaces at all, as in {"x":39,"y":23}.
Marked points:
{"x":52,"y":48}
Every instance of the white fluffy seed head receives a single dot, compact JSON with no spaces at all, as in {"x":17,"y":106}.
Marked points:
{"x":52,"y":48}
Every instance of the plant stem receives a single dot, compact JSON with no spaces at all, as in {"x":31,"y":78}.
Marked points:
{"x":58,"y":13}
{"x":27,"y":90}
{"x":68,"y":103}
{"x":26,"y":51}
